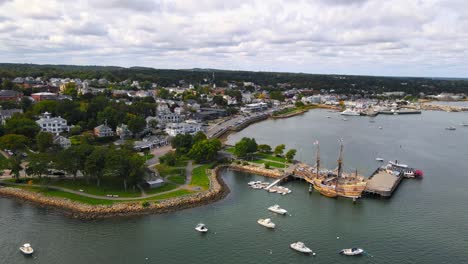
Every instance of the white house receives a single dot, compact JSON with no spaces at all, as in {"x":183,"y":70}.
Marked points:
{"x":173,"y":129}
{"x":52,"y":124}
{"x":62,"y":141}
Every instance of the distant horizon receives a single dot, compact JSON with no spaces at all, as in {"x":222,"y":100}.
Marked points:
{"x":395,"y":38}
{"x":242,"y":70}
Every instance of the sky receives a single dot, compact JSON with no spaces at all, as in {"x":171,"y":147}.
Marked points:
{"x":364,"y":37}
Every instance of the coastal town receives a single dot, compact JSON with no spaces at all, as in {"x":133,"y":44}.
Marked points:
{"x":95,"y":142}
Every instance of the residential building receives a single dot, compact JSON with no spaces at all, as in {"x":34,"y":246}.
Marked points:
{"x":123,"y":132}
{"x":10,"y":95}
{"x":169,"y":118}
{"x":62,"y":141}
{"x":103,"y":131}
{"x":44,"y":96}
{"x":8,"y":113}
{"x":51,"y":124}
{"x":174,"y":129}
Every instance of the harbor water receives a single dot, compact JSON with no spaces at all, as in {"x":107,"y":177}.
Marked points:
{"x":424,"y":222}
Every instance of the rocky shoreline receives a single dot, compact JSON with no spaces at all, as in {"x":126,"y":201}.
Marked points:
{"x":218,"y":190}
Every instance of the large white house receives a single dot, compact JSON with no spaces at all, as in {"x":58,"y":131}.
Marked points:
{"x":52,"y":124}
{"x":173,"y":129}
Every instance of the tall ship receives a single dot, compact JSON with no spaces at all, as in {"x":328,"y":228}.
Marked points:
{"x":337,"y":183}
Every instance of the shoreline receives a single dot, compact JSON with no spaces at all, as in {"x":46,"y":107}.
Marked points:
{"x":218,"y":190}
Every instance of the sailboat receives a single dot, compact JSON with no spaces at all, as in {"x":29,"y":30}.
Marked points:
{"x":339,"y":184}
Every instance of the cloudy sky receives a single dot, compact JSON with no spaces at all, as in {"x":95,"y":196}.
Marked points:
{"x":372,"y":37}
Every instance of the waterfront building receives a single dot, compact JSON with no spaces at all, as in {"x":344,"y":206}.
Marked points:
{"x":55,"y":125}
{"x":256,"y":107}
{"x":174,"y":129}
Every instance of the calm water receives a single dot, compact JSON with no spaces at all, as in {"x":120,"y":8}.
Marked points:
{"x":425,"y":222}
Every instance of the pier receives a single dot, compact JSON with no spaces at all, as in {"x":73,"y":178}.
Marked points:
{"x":382,"y":183}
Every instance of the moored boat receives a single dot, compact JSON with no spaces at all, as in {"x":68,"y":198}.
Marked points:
{"x":266,"y":223}
{"x":26,"y":249}
{"x":451,"y":128}
{"x":350,"y":112}
{"x":301,"y":247}
{"x":352,"y":251}
{"x":379,"y":159}
{"x":277,"y":209}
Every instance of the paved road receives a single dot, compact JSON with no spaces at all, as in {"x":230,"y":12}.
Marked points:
{"x":158,"y":152}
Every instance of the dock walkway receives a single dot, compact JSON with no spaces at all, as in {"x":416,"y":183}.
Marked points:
{"x":382,"y":183}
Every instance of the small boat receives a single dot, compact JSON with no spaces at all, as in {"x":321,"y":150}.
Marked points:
{"x":277,"y":209}
{"x":396,"y":164}
{"x":26,"y":249}
{"x":344,"y":119}
{"x":352,"y":251}
{"x":380,"y":127}
{"x":464,"y":124}
{"x":301,"y":247}
{"x":251,"y":183}
{"x":379,"y":159}
{"x":328,"y":116}
{"x":272,"y":190}
{"x":266,"y":223}
{"x":201,"y":228}
{"x":450,"y":128}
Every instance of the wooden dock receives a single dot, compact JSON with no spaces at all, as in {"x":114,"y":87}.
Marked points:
{"x":382,"y":183}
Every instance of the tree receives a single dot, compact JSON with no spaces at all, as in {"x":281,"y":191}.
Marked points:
{"x":14,"y":164}
{"x":169,"y":158}
{"x":125,"y":165}
{"x":245,"y":146}
{"x":199,"y":136}
{"x":94,"y":164}
{"x":44,"y":140}
{"x":45,"y":106}
{"x":163,"y":93}
{"x":21,"y":125}
{"x":205,"y":150}
{"x":277,"y":95}
{"x":299,"y":104}
{"x":182,"y":143}
{"x":38,"y":164}
{"x":219,"y":100}
{"x":74,"y":158}
{"x":290,"y":155}
{"x":14,"y":142}
{"x":70,"y":89}
{"x":136,"y":124}
{"x":264,"y":148}
{"x":279,"y":150}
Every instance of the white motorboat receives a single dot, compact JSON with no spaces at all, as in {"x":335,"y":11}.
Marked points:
{"x":352,"y":251}
{"x":277,"y":209}
{"x":396,"y":164}
{"x":266,"y":223}
{"x":201,"y":228}
{"x":379,"y":159}
{"x":345,"y":119}
{"x":251,"y":183}
{"x":26,"y":249}
{"x":272,"y":190}
{"x":301,"y":247}
{"x":464,"y":124}
{"x":349,"y":112}
{"x":450,"y":128}
{"x":380,"y":127}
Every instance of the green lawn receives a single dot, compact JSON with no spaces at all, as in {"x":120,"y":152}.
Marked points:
{"x":199,"y":176}
{"x":108,"y":186}
{"x":177,"y":179}
{"x":270,"y":157}
{"x":230,"y":150}
{"x":165,"y":170}
{"x":166,"y":187}
{"x":70,"y":196}
{"x":168,"y":195}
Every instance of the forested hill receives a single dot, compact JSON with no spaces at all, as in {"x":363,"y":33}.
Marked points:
{"x":341,"y":83}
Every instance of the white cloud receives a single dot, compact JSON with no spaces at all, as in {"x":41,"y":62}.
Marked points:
{"x":396,"y":37}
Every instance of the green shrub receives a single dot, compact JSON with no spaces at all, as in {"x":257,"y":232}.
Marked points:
{"x":145,"y":204}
